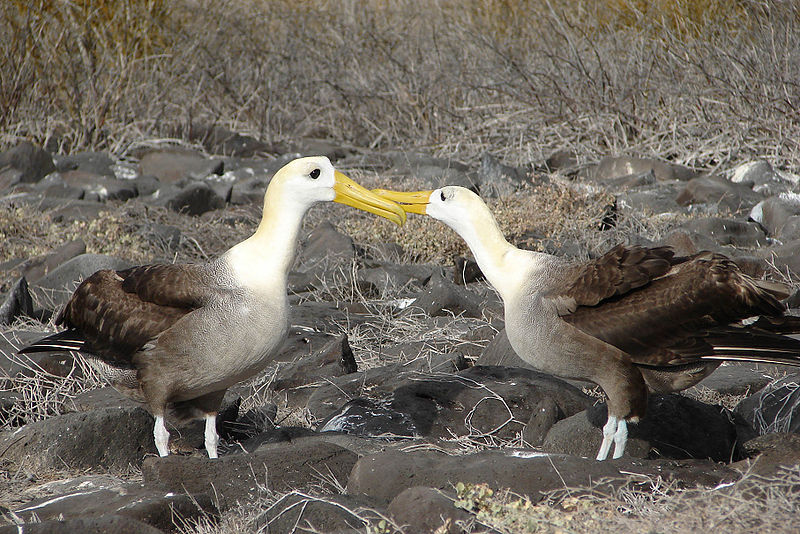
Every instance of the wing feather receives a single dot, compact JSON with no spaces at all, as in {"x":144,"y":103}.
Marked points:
{"x":117,"y":312}
{"x":667,"y":311}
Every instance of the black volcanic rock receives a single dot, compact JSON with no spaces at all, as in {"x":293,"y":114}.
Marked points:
{"x":110,"y":437}
{"x":17,"y":303}
{"x":386,"y":475}
{"x":32,"y":162}
{"x":675,"y":427}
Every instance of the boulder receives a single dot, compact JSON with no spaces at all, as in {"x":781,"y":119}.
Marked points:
{"x":217,"y":139}
{"x":771,"y":455}
{"x":34,"y":269}
{"x":427,"y":510}
{"x":500,"y":352}
{"x":655,"y":200}
{"x":772,"y":409}
{"x":617,"y":166}
{"x":480,"y":402}
{"x":30,"y":162}
{"x":675,"y":427}
{"x":466,"y":271}
{"x":17,"y":303}
{"x":195,"y":198}
{"x":99,"y":187}
{"x":725,"y":195}
{"x":565,"y":161}
{"x":241,"y":477}
{"x":727,"y":231}
{"x":107,"y":438}
{"x":333,"y":359}
{"x":784,"y":257}
{"x":760,"y":176}
{"x":100,"y":496}
{"x":174,"y":165}
{"x":442,"y":297}
{"x":431,"y":172}
{"x":736,"y":378}
{"x":119,"y":524}
{"x":301,"y":512}
{"x":325,"y":248}
{"x":779,"y":215}
{"x":97,"y":163}
{"x":386,"y":475}
{"x":370,"y":418}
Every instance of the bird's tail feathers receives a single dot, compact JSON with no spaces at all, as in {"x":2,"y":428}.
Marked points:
{"x":61,"y":341}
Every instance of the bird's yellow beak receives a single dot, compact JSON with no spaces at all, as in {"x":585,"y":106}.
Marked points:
{"x":411,"y":202}
{"x":350,"y":193}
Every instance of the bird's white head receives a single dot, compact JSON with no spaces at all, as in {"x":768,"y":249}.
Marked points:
{"x":305,"y":181}
{"x":465,"y":212}
{"x":457,"y":207}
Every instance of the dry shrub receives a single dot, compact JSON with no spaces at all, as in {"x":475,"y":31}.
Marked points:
{"x":752,"y":504}
{"x":701,"y":82}
{"x":526,"y":218}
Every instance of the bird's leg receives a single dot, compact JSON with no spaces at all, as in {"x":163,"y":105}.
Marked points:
{"x":212,"y":439}
{"x":161,"y":436}
{"x":620,"y":438}
{"x":609,"y":432}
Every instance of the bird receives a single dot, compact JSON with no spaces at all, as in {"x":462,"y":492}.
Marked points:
{"x":176,"y":336}
{"x":633,"y":320}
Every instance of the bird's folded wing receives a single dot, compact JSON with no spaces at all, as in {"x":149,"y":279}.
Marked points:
{"x":117,"y":312}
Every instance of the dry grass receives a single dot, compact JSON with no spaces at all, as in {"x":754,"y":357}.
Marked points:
{"x":752,"y":504}
{"x":704,"y":83}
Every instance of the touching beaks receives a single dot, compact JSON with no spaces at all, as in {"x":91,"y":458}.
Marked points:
{"x":411,"y":202}
{"x":350,"y":193}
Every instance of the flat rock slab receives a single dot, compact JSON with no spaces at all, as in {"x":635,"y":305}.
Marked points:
{"x":107,"y":438}
{"x":164,"y":511}
{"x":385,"y":475}
{"x":241,"y":477}
{"x":117,"y":524}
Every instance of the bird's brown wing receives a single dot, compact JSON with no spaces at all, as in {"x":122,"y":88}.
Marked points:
{"x":117,"y":312}
{"x":617,"y":272}
{"x":672,"y":317}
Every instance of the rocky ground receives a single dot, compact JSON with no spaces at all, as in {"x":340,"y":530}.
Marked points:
{"x":397,"y":404}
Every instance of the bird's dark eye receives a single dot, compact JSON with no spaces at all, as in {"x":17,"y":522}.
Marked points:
{"x":442,"y":193}
{"x":314,"y":174}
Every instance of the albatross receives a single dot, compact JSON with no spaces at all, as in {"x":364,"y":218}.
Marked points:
{"x":176,"y":336}
{"x":632,"y":320}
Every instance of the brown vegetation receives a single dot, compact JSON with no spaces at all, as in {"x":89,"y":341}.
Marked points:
{"x":702,"y":83}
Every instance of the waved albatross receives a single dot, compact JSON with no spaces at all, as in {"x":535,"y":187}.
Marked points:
{"x":632,"y":319}
{"x":177,"y":336}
